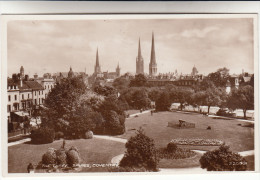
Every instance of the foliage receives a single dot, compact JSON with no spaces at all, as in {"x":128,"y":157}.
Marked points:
{"x":61,"y":156}
{"x":171,"y":147}
{"x":220,"y":77}
{"x":42,"y":135}
{"x":49,"y":157}
{"x":139,"y":81}
{"x":113,"y":125}
{"x":242,"y":98}
{"x":140,"y":152}
{"x":105,"y":90}
{"x":59,"y":135}
{"x":223,"y":159}
{"x":121,"y":83}
{"x":89,"y":135}
{"x":73,"y":158}
{"x":126,"y":169}
{"x":163,"y":103}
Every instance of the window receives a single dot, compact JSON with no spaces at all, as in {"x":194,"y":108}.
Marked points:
{"x":9,"y":98}
{"x":22,"y":96}
{"x":42,"y":92}
{"x":42,"y":100}
{"x":45,"y":87}
{"x":28,"y":96}
{"x":35,"y":101}
{"x":15,"y":97}
{"x":8,"y":108}
{"x":48,"y":87}
{"x":35,"y":93}
{"x":39,"y":100}
{"x":39,"y":92}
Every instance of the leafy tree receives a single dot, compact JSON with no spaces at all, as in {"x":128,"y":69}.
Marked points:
{"x":139,"y":81}
{"x":121,"y":83}
{"x":154,"y":93}
{"x":140,"y":99}
{"x":113,"y":125}
{"x":243,"y":98}
{"x":213,"y":97}
{"x":182,"y":96}
{"x":220,"y":77}
{"x":105,"y":90}
{"x":163,"y":103}
{"x":223,"y":159}
{"x":140,"y":152}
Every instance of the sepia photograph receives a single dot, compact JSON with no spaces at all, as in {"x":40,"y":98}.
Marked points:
{"x":154,"y":93}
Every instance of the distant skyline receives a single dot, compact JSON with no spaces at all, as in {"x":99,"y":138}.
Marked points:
{"x":50,"y":46}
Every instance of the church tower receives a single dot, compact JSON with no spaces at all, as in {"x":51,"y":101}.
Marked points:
{"x":139,"y":61}
{"x":70,"y":74}
{"x":21,"y":72}
{"x":118,"y":70}
{"x":152,"y":65}
{"x":97,"y":69}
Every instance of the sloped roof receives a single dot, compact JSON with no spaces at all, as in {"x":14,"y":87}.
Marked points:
{"x":34,"y":85}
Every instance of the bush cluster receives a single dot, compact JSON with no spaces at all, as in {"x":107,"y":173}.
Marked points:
{"x":223,"y":159}
{"x":89,"y":135}
{"x":61,"y":157}
{"x":42,"y":135}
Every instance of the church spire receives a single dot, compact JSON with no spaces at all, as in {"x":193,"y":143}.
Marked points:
{"x":97,"y":66}
{"x":139,"y":50}
{"x":139,"y":60}
{"x":97,"y":59}
{"x":152,"y":65}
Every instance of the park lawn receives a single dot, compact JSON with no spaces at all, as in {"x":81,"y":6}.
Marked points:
{"x":237,"y":137}
{"x":180,"y":163}
{"x":92,"y":151}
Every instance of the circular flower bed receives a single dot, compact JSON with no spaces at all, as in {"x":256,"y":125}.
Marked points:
{"x":198,"y":142}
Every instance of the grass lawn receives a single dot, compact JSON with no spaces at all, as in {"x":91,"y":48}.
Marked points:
{"x":180,"y":163}
{"x":92,"y":151}
{"x":237,"y":137}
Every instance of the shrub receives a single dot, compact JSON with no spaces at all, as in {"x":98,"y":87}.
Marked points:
{"x":223,"y":159}
{"x":209,"y":128}
{"x":140,"y":153}
{"x":42,"y":135}
{"x":61,"y":157}
{"x":89,"y":135}
{"x":73,"y":157}
{"x":126,"y":169}
{"x":171,"y":147}
{"x":49,"y":158}
{"x":59,"y":135}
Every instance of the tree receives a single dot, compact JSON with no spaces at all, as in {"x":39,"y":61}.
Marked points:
{"x":140,"y":152}
{"x":121,"y":83}
{"x":105,"y":90}
{"x":222,"y":159}
{"x":182,"y":96}
{"x":220,"y":77}
{"x":139,"y":81}
{"x":163,"y":103}
{"x":213,"y":97}
{"x":243,"y":98}
{"x":140,"y":99}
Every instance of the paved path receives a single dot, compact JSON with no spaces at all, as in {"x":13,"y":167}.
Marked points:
{"x":117,"y":159}
{"x":19,"y":142}
{"x":111,"y":138}
{"x":147,"y":111}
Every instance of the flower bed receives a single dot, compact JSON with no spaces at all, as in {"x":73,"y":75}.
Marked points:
{"x":178,"y":154}
{"x":198,"y":142}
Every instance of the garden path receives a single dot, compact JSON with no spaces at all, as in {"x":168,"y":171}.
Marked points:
{"x":19,"y":142}
{"x":147,"y":111}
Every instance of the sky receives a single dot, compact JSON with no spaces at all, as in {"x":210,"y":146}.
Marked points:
{"x":49,"y":46}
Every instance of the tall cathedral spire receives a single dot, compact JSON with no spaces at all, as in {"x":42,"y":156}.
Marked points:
{"x":152,"y":65}
{"x":139,"y":61}
{"x":97,"y":66}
